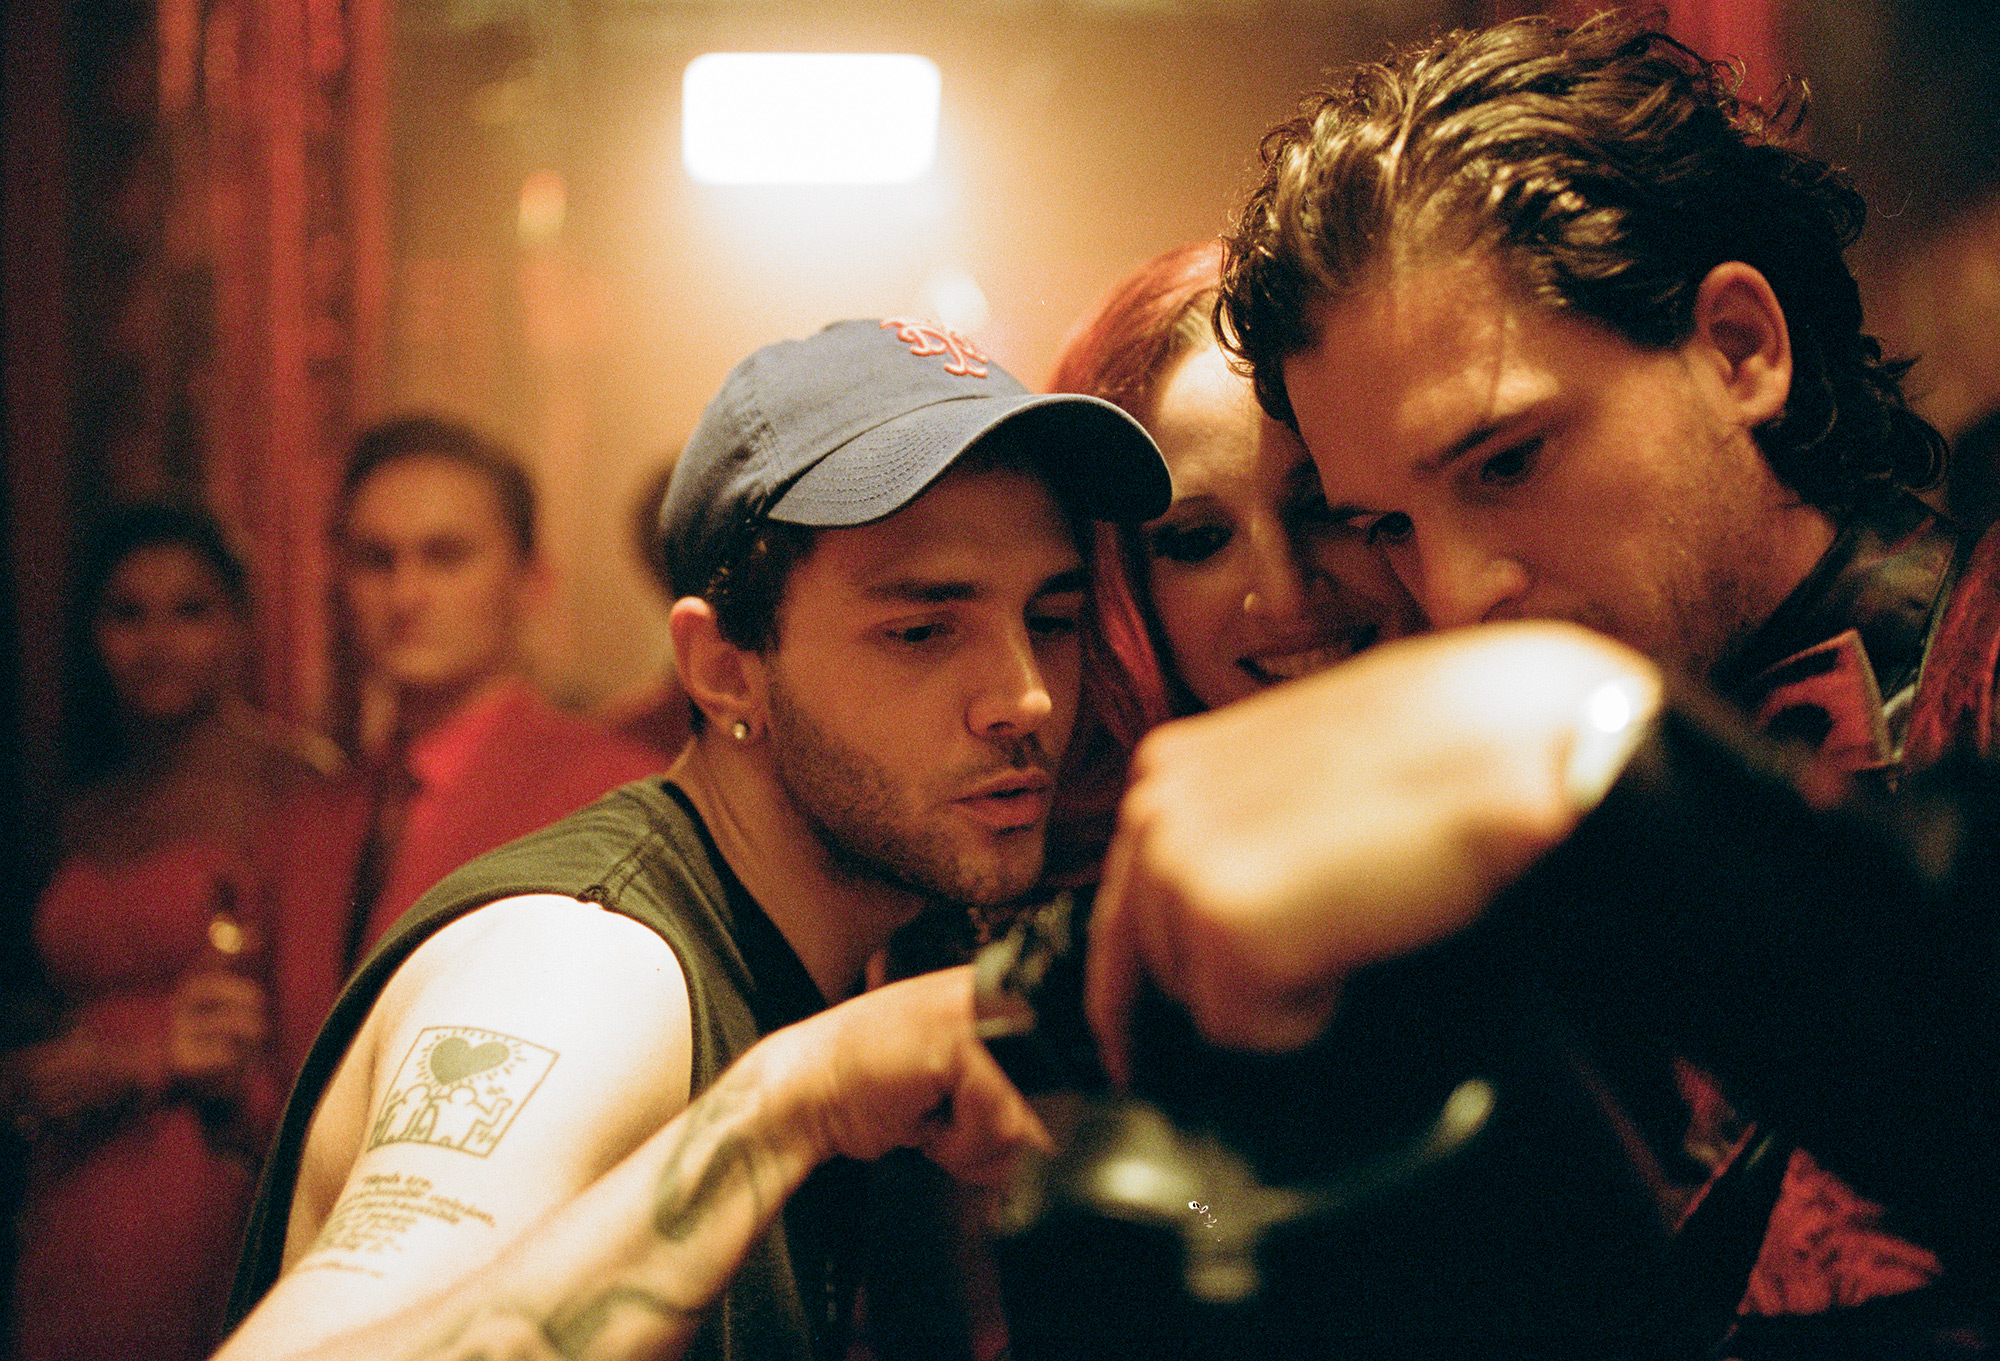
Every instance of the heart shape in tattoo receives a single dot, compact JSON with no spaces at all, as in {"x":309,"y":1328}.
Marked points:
{"x":453,"y":1059}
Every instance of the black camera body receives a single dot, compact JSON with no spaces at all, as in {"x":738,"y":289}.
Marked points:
{"x":1433,"y":1177}
{"x":1455,"y":1168}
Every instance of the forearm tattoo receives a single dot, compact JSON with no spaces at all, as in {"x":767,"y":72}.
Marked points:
{"x":573,"y":1332}
{"x":599,"y":1329}
{"x":460,"y":1088}
{"x":709,"y":1152}
{"x":709,"y":1163}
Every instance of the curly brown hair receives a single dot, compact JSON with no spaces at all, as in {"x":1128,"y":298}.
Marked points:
{"x":1607,"y":168}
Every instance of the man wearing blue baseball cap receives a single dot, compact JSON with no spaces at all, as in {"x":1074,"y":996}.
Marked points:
{"x":579,"y":1100}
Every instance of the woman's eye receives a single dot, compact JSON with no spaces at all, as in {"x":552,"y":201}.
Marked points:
{"x":1395,"y":527}
{"x":1187,"y":543}
{"x":1510,"y":465}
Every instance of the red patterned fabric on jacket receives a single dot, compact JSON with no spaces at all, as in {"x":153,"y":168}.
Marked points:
{"x":1882,"y":662}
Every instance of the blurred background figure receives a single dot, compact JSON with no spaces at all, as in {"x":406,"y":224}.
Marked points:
{"x":654,"y":710}
{"x":1243,"y":583}
{"x":435,"y":560}
{"x":147,"y":1106}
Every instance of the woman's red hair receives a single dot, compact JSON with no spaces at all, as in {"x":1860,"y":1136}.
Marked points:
{"x":1160,"y":314}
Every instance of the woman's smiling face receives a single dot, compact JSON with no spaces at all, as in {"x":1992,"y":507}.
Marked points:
{"x":1251,"y":581}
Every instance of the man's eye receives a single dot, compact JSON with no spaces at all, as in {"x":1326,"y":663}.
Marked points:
{"x":1187,"y":543}
{"x":1510,"y":465}
{"x":1309,"y":510}
{"x":1312,"y":518}
{"x":449,"y":555}
{"x":916,"y":635}
{"x":1395,"y":527}
{"x":1052,"y":625}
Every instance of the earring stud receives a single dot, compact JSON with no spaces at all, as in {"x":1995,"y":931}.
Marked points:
{"x":740,"y":730}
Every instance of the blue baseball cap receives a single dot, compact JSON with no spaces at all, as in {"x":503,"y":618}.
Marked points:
{"x":850,"y":425}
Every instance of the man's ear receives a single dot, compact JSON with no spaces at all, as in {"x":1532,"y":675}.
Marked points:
{"x":725,"y":682}
{"x":1741,"y":329}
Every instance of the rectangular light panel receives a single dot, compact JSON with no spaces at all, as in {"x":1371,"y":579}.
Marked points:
{"x":808,"y":117}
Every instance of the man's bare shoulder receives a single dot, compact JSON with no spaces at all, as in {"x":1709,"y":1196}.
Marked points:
{"x":591,"y":987}
{"x":533,"y":931}
{"x":518,"y":1054}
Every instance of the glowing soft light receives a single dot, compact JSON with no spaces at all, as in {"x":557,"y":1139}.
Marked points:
{"x":808,"y":118}
{"x":1610,"y":707}
{"x":957,"y":300}
{"x":543,"y":205}
{"x":1610,"y":731}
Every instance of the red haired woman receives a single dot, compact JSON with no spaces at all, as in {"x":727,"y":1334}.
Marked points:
{"x":1244,"y":582}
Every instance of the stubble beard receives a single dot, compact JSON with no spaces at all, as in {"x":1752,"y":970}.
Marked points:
{"x":1713,"y":611}
{"x":1733,"y":580}
{"x":1690,"y":637}
{"x":869,"y":834}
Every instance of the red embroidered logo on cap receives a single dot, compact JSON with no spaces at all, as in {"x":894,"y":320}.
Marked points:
{"x":925,"y":339}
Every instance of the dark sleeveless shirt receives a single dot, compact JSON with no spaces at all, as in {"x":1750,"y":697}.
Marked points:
{"x":641,"y":851}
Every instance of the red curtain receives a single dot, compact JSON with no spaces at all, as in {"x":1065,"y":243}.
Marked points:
{"x":293,"y":199}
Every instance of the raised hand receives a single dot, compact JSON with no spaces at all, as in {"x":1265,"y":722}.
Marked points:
{"x":901,"y":1067}
{"x":1267,"y":850}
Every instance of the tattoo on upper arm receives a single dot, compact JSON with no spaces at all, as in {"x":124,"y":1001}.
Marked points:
{"x":460,"y":1088}
{"x":372,"y":1216}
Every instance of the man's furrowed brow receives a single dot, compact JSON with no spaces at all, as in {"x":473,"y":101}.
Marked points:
{"x":1457,"y":449}
{"x":935,"y":591}
{"x":1433,"y":466}
{"x":922,"y":591}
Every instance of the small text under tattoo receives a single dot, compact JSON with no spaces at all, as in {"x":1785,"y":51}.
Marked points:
{"x":383,"y":1207}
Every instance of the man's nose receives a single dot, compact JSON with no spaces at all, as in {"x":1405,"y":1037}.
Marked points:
{"x":154,"y":639}
{"x":1013,"y":697}
{"x":406,"y":582}
{"x":1457,"y":578}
